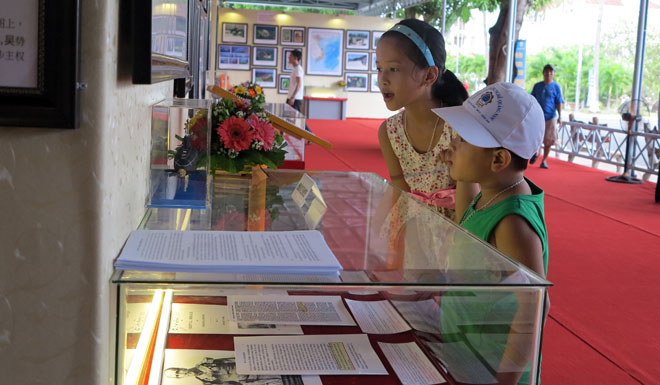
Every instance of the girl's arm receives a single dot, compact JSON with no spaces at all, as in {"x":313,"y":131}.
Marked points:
{"x":393,"y":165}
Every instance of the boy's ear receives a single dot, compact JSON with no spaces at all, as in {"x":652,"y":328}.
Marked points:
{"x":501,"y":159}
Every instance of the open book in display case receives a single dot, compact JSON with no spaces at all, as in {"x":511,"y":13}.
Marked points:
{"x":424,"y":293}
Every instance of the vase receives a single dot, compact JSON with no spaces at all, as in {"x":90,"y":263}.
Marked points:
{"x":239,"y":200}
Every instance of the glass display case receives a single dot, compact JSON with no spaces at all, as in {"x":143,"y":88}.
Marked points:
{"x":295,"y":156}
{"x":179,"y":161}
{"x":470,"y":315}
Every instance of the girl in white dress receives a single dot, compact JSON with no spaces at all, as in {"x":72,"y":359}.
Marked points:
{"x":412,"y":77}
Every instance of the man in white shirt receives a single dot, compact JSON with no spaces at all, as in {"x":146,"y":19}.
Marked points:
{"x":296,"y":84}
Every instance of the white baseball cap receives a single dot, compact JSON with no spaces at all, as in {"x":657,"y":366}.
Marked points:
{"x":500,"y":115}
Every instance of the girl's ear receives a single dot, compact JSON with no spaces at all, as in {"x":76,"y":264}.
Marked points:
{"x":431,"y":75}
{"x":501,"y":159}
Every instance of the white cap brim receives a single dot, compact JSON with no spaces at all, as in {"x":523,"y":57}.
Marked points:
{"x":469,"y":128}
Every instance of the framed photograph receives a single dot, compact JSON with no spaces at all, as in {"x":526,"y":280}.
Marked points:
{"x":286,"y":67}
{"x":233,"y":57}
{"x":357,"y":82}
{"x":292,"y":36}
{"x":264,"y":56}
{"x":234,"y":33}
{"x":357,"y":61}
{"x":374,"y":67}
{"x":325,"y":51}
{"x":39,"y":77}
{"x":265,"y":77}
{"x":265,"y":34}
{"x":357,"y":39}
{"x":375,"y":36}
{"x":283,"y":84}
{"x":373,"y":86}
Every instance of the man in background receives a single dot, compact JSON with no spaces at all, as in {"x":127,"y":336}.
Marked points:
{"x":548,"y":94}
{"x":296,"y":84}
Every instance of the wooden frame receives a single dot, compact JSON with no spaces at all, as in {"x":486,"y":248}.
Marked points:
{"x":233,"y":57}
{"x":375,"y":36}
{"x":316,"y":53}
{"x":357,"y":82}
{"x":265,"y":34}
{"x":283,"y":82}
{"x":356,"y":39}
{"x":161,"y":52}
{"x":47,"y":94}
{"x":235,"y":33}
{"x":286,"y":67}
{"x":356,"y":61}
{"x":265,"y":77}
{"x":264,"y":56}
{"x":294,"y":36}
{"x":373,"y":84}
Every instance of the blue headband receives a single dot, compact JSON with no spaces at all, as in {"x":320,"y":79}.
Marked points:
{"x":412,"y":35}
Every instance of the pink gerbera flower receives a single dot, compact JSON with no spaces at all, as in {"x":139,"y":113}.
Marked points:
{"x":235,"y":134}
{"x":263,"y":131}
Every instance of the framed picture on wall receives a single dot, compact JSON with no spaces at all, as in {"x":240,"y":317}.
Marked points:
{"x":373,"y":86}
{"x":264,"y":56}
{"x":283,"y":84}
{"x":357,"y":82}
{"x":325,"y":51}
{"x":234,"y":33}
{"x":265,"y":77}
{"x":286,"y":67}
{"x":233,"y":57}
{"x":265,"y":34}
{"x":357,"y":61}
{"x":375,"y":36}
{"x":357,"y":39}
{"x":292,"y":36}
{"x":374,"y":67}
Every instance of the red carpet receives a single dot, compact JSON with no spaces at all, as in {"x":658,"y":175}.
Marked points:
{"x":604,"y":261}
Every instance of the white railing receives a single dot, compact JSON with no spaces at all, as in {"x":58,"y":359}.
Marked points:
{"x":608,"y":145}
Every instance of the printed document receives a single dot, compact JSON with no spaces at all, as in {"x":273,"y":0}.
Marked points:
{"x":214,"y":319}
{"x":377,"y":317}
{"x":228,"y":252}
{"x":410,"y":364}
{"x":289,"y":310}
{"x":310,"y":354}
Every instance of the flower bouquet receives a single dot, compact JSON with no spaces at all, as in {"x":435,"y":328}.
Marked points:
{"x":242,"y":135}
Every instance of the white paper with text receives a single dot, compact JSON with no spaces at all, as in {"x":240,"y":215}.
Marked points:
{"x":410,"y":364}
{"x":377,"y":317}
{"x":311,"y":354}
{"x":289,"y":310}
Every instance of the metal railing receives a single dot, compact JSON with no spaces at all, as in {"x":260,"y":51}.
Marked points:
{"x":608,"y":145}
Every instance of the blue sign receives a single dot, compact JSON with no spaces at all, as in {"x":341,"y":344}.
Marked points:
{"x":520,"y":62}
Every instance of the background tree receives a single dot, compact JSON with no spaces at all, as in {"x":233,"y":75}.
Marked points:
{"x":499,"y":33}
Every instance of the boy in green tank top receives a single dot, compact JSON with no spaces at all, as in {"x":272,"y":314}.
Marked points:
{"x":500,"y":128}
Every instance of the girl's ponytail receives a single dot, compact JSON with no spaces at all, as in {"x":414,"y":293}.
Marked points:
{"x":449,"y":90}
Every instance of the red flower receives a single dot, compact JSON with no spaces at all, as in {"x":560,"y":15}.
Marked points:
{"x":198,"y":139}
{"x":235,"y":134}
{"x":242,"y":104}
{"x":263,"y":131}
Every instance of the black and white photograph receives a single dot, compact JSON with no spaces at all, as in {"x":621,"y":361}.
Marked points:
{"x":233,"y":57}
{"x":357,"y":82}
{"x":375,"y":36}
{"x":264,"y":56}
{"x":283,"y":85}
{"x":265,"y":34}
{"x":292,"y":36}
{"x":357,"y":61}
{"x":234,"y":33}
{"x":265,"y":77}
{"x":374,"y":67}
{"x":357,"y":39}
{"x":373,"y":86}
{"x":212,"y":367}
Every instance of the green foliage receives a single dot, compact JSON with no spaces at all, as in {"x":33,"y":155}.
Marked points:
{"x":470,"y":68}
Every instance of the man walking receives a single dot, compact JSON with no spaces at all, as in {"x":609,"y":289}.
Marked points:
{"x":548,"y":94}
{"x":296,"y":84}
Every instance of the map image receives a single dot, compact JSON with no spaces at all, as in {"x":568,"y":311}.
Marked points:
{"x":325,"y":52}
